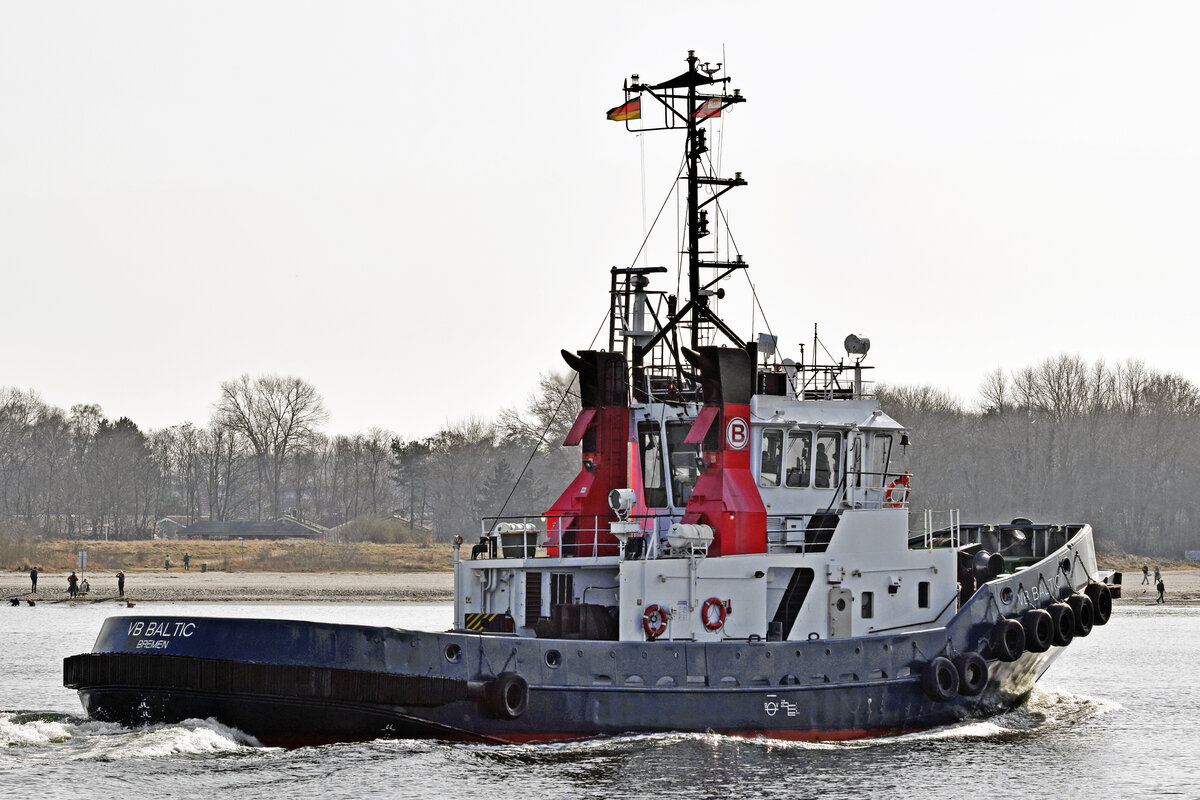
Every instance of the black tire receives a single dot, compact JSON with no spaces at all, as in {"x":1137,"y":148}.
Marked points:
{"x":1085,"y":615}
{"x":1039,"y":630}
{"x":1064,"y":623}
{"x":940,"y":680}
{"x":1008,"y":640}
{"x":1101,"y":599}
{"x":507,"y":696}
{"x":972,"y":673}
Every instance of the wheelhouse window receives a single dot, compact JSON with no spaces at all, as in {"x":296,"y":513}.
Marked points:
{"x":771,"y":464}
{"x":799,"y":458}
{"x":654,"y":489}
{"x":828,"y":460}
{"x":685,"y":462}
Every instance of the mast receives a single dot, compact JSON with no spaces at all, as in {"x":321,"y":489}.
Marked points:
{"x":695,"y":148}
{"x":684,"y":108}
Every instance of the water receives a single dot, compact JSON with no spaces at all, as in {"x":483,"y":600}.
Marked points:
{"x":1115,"y":714}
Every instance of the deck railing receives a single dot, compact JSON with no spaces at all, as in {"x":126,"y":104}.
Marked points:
{"x":941,"y":528}
{"x":573,"y":535}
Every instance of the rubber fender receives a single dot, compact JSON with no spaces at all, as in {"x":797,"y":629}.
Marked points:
{"x":1064,"y":623}
{"x":972,"y":673}
{"x":1008,"y":640}
{"x":1101,"y":599}
{"x":1039,"y":630}
{"x":940,"y":680}
{"x":507,"y":696}
{"x":1085,"y":615}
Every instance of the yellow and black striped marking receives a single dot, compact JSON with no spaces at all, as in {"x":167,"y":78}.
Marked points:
{"x":482,"y":622}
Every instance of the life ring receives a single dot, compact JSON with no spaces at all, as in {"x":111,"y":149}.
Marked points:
{"x":654,"y":621}
{"x":897,"y":492}
{"x":713,"y":614}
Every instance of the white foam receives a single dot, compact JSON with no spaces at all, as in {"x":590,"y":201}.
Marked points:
{"x":190,"y":737}
{"x":35,"y":732}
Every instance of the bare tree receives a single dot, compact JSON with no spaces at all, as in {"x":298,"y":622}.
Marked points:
{"x":277,"y":415}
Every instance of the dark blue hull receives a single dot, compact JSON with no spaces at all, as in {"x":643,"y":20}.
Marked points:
{"x":291,"y":683}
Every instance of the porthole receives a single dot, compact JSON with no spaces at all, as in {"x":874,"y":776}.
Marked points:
{"x":553,"y":658}
{"x":453,"y":653}
{"x":1006,"y":595}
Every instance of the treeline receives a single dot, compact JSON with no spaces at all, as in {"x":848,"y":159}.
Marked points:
{"x":1064,"y":440}
{"x":264,"y":454}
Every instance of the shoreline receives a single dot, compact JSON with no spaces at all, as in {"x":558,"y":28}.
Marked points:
{"x":179,"y":586}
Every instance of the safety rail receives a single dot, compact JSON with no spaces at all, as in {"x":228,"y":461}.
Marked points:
{"x":827,"y":382}
{"x":936,"y":534}
{"x":878,"y":489}
{"x":567,"y":535}
{"x":804,"y":533}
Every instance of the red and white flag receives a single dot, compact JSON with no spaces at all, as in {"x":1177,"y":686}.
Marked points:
{"x":708,"y":109}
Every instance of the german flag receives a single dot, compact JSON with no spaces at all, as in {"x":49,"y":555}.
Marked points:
{"x":630,"y":110}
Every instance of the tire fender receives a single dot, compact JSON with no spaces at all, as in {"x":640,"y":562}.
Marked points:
{"x":972,"y":673}
{"x":1064,"y":623}
{"x":1008,"y":640}
{"x":506,"y":696}
{"x":940,"y":680}
{"x":1085,"y":613}
{"x":1039,"y":630}
{"x":1101,"y":599}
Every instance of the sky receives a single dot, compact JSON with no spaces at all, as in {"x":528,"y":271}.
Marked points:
{"x":415,"y":206}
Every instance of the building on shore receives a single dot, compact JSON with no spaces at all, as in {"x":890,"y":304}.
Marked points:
{"x":284,"y":527}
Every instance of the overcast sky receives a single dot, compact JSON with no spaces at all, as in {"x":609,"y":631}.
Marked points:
{"x":414,"y":206}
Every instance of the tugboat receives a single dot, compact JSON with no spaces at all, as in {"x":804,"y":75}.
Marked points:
{"x":735,"y":555}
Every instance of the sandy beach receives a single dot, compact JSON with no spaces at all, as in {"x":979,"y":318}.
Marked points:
{"x":178,"y":586}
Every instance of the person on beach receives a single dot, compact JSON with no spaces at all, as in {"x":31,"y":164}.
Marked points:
{"x":120,"y":584}
{"x":187,"y":561}
{"x":33,"y":578}
{"x":1157,"y":576}
{"x":73,"y":585}
{"x":1161,"y":589}
{"x":167,"y":563}
{"x":84,"y":586}
{"x":1145,"y":574}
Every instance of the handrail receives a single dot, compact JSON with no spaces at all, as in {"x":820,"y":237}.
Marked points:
{"x":953,"y":527}
{"x":537,"y":530}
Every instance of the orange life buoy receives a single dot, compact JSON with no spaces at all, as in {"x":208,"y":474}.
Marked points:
{"x":713,"y":621}
{"x":897,"y":492}
{"x":654,"y":621}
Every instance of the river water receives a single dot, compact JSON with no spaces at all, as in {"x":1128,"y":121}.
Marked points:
{"x":1119,"y":712}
